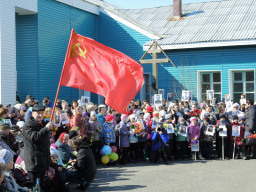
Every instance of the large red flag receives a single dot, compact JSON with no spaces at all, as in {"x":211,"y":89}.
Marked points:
{"x":97,"y":68}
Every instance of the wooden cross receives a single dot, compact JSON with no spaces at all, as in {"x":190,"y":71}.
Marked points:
{"x":156,"y":49}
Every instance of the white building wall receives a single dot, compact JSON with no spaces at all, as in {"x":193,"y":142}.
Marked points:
{"x":8,"y":74}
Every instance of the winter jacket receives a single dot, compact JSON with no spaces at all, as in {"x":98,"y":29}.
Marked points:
{"x":194,"y":132}
{"x":97,"y":128}
{"x":109,"y":132}
{"x":203,"y":136}
{"x":158,"y":140}
{"x":178,"y":136}
{"x":133,"y":138}
{"x":85,"y":162}
{"x":64,"y":152}
{"x":101,"y":119}
{"x":250,"y":122}
{"x":10,"y":141}
{"x":226,"y":123}
{"x":124,"y":135}
{"x":36,"y":146}
{"x":10,"y":183}
{"x":79,"y":122}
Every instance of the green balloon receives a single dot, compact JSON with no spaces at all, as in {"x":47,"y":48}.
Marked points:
{"x":105,"y":159}
{"x":113,"y":156}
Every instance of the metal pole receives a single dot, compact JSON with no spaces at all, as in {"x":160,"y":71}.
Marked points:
{"x":222,"y":148}
{"x":234,"y":148}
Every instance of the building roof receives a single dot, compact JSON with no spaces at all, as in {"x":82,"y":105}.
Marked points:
{"x":216,"y":21}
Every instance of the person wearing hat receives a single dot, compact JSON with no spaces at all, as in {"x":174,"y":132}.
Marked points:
{"x":29,"y":100}
{"x":79,"y":121}
{"x":9,"y":139}
{"x":142,"y":136}
{"x":194,"y":134}
{"x":124,"y":139}
{"x":223,"y":122}
{"x":239,"y":146}
{"x":206,"y":140}
{"x":172,"y":144}
{"x":102,"y":110}
{"x":181,"y":134}
{"x":109,"y":130}
{"x":36,"y":144}
{"x":9,"y":182}
{"x":94,"y":132}
{"x":64,"y":150}
{"x":3,"y":114}
{"x":160,"y":142}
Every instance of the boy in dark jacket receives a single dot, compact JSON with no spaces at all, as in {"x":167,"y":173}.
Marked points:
{"x":85,"y":163}
{"x":206,"y":140}
{"x":160,"y":141}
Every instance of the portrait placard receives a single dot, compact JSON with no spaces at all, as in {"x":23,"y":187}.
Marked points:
{"x":210,"y":95}
{"x":185,"y":95}
{"x":236,"y":130}
{"x":183,"y":131}
{"x":170,"y":128}
{"x":158,"y":99}
{"x":210,"y":130}
{"x":223,"y":133}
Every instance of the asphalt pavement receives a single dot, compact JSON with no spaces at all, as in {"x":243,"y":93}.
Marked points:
{"x":178,"y":176}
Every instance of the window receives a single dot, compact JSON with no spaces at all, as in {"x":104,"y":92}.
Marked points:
{"x":211,"y":81}
{"x":243,"y":83}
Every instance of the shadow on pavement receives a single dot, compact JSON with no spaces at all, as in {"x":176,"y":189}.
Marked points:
{"x":106,"y":176}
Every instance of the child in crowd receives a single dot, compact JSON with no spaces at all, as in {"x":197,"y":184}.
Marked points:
{"x":239,"y":147}
{"x":181,"y":138}
{"x":206,"y":140}
{"x":222,"y":125}
{"x":109,"y":130}
{"x":134,"y":153}
{"x":194,"y":134}
{"x":124,"y":140}
{"x":160,"y":142}
{"x":171,"y":135}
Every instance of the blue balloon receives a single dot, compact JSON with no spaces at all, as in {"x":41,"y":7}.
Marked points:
{"x":107,"y":150}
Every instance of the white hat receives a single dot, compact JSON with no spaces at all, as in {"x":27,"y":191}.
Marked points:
{"x":102,"y":106}
{"x":53,"y":151}
{"x":2,"y":161}
{"x":162,"y":113}
{"x":20,"y":124}
{"x":132,"y":116}
{"x":93,"y":113}
{"x":17,"y":106}
{"x":147,"y":116}
{"x":236,"y":105}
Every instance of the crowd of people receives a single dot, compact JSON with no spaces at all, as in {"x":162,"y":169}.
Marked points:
{"x":35,"y":150}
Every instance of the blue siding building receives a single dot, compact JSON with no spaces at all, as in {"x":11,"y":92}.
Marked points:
{"x":213,"y":46}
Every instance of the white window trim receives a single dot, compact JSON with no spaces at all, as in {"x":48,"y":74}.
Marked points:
{"x":230,"y":71}
{"x":199,"y":87}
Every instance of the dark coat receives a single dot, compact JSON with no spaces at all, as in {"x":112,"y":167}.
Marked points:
{"x":250,"y":121}
{"x":85,"y":162}
{"x":36,"y":146}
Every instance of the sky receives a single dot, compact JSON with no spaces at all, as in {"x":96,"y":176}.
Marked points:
{"x":136,"y":4}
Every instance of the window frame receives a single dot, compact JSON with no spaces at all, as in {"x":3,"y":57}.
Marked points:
{"x":199,"y":82}
{"x":232,"y":81}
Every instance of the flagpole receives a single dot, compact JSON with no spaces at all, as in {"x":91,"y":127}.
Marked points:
{"x":58,"y":90}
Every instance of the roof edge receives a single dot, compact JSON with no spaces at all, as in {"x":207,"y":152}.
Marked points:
{"x":206,"y":44}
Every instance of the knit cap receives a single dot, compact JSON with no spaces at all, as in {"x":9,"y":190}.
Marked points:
{"x":168,"y":116}
{"x":162,"y":113}
{"x":2,"y":161}
{"x":193,"y":119}
{"x":6,"y":155}
{"x":124,"y":117}
{"x":109,"y":117}
{"x":93,"y":113}
{"x":53,"y":151}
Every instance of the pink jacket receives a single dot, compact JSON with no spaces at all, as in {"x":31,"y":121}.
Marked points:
{"x":194,"y":132}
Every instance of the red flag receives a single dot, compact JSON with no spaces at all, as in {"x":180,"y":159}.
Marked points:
{"x":97,"y":68}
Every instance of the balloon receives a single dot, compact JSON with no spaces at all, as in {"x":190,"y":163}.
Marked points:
{"x":137,"y":130}
{"x":107,"y":150}
{"x":101,"y":152}
{"x":114,"y":149}
{"x":113,"y":156}
{"x":105,"y":159}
